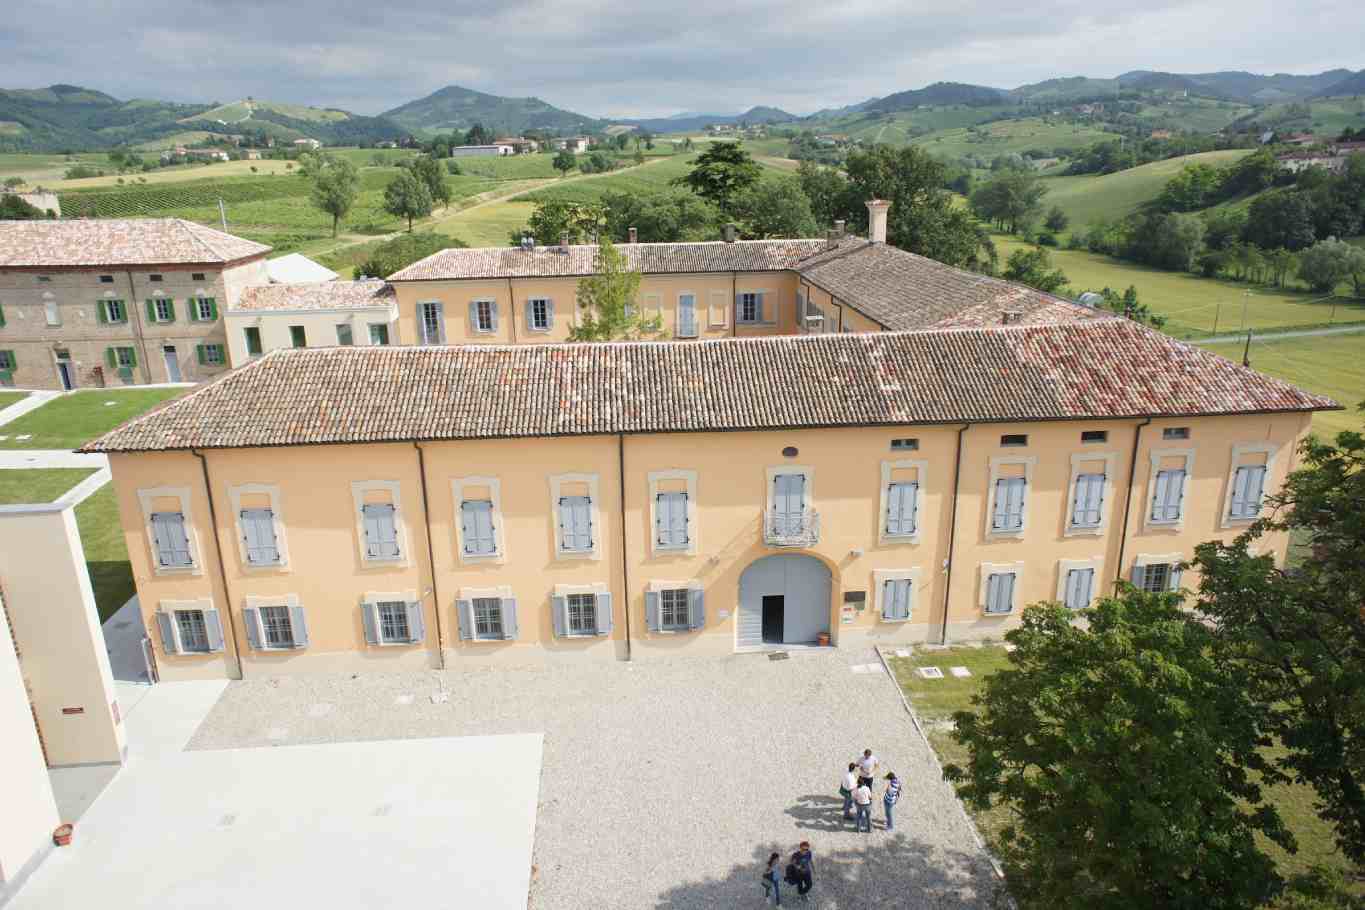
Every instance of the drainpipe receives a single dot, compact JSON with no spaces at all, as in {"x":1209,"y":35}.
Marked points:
{"x":431,"y":553}
{"x":222,"y":566}
{"x":952,"y":534}
{"x":135,"y":317}
{"x":1128,"y":504}
{"x":511,"y":309}
{"x":625,"y":563}
{"x":734,"y":309}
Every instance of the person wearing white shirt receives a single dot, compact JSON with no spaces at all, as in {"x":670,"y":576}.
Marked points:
{"x":847,"y":786}
{"x":867,"y":768}
{"x":862,"y":798}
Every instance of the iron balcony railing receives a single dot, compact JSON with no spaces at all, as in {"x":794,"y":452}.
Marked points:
{"x":791,"y":529}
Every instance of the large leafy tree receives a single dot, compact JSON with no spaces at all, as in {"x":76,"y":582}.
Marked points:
{"x":565,"y":161}
{"x":336,"y":186}
{"x":402,"y":251}
{"x":1012,"y":199}
{"x":774,"y":208}
{"x":407,"y":196}
{"x":720,"y":173}
{"x":428,"y":170}
{"x":1299,"y":634}
{"x":1034,"y":268}
{"x":607,"y":302}
{"x":666,"y":217}
{"x":551,"y":219}
{"x":1124,"y":751}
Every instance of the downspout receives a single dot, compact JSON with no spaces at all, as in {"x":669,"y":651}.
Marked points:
{"x":222,"y":566}
{"x":952,"y":535}
{"x":431,"y":553}
{"x":511,"y":309}
{"x":625,"y":562}
{"x":135,"y":317}
{"x":1128,"y":505}
{"x":734,"y":304}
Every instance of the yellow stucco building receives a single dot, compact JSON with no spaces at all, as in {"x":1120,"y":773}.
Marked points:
{"x":457,"y":505}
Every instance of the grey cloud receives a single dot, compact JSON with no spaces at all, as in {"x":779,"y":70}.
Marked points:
{"x":641,"y":58}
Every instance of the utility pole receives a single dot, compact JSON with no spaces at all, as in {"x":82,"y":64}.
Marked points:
{"x":222,"y":213}
{"x":1246,"y":299}
{"x":1246,"y":351}
{"x":1216,"y":313}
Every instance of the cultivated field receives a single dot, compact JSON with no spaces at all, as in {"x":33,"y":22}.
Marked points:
{"x":1010,"y":136}
{"x":1195,"y":306}
{"x":487,"y":225}
{"x":46,"y":169}
{"x":1112,"y":196}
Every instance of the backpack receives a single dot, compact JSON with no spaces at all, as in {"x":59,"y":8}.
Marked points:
{"x":793,"y":877}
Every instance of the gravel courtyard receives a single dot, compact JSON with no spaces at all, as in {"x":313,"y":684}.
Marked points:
{"x":667,"y":784}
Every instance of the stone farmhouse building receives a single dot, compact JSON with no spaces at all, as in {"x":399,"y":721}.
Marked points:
{"x":118,"y":302}
{"x":917,"y":466}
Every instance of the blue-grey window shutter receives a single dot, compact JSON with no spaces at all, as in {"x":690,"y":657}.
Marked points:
{"x":1256,"y":489}
{"x":441,"y":321}
{"x":369,"y":616}
{"x":1017,"y":487}
{"x":558,"y":606}
{"x":252,"y":621}
{"x":1089,"y":495}
{"x":172,"y":544}
{"x":476,"y":517}
{"x":652,"y":611}
{"x":258,"y":532}
{"x":1175,"y":577}
{"x":530,"y":315}
{"x":298,"y":627}
{"x":1000,"y":518}
{"x":493,"y":315}
{"x":1007,"y":592}
{"x":758,"y":308}
{"x":889,"y":599}
{"x":381,"y":531}
{"x":464,"y":616}
{"x":167,"y":623}
{"x":1139,"y":576}
{"x":603,"y":609}
{"x":417,"y":626}
{"x":902,"y":506}
{"x":739,"y":308}
{"x":575,"y":516}
{"x":213,"y":629}
{"x":474,"y":317}
{"x":549,"y":313}
{"x":509,"y":618}
{"x":696,"y":607}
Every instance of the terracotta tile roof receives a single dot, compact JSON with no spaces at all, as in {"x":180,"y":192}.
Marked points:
{"x":1098,"y":369}
{"x":904,"y":291}
{"x":119,"y":242}
{"x":648,"y":258}
{"x":323,"y":295}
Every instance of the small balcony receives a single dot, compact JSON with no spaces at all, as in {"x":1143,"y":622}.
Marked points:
{"x":791,"y":529}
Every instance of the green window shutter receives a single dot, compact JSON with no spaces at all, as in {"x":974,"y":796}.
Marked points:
{"x":101,"y":313}
{"x":170,"y":311}
{"x":2,"y":316}
{"x":111,"y":358}
{"x":199,"y":352}
{"x":213,"y":310}
{"x":132,"y":357}
{"x":151,"y":310}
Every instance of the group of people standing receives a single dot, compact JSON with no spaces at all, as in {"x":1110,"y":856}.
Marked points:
{"x":856,"y":789}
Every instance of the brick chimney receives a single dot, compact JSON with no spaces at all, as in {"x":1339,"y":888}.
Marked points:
{"x":839,"y":228}
{"x":876,"y":220}
{"x":564,"y":241}
{"x":729,"y":233}
{"x":634,"y":235}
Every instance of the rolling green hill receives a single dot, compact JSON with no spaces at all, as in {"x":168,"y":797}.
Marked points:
{"x":71,"y":117}
{"x":454,"y":107}
{"x":1112,"y":196}
{"x":239,"y":111}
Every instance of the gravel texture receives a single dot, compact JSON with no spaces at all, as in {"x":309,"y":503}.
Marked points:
{"x":667,"y":784}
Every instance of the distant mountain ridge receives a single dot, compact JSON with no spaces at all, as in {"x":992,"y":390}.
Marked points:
{"x":688,"y":122}
{"x":939,"y":93}
{"x":455,"y":107}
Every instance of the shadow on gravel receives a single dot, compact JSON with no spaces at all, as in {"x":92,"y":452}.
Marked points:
{"x":820,"y":812}
{"x":893,"y":871}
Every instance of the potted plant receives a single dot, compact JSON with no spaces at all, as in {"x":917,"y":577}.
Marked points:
{"x":62,"y":835}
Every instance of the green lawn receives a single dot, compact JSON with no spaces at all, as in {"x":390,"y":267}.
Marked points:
{"x":1112,"y":196}
{"x":25,"y":485}
{"x":1193,"y":305}
{"x":72,"y":420}
{"x":106,"y":551}
{"x":935,"y":700}
{"x":1331,"y":365}
{"x":9,"y":398}
{"x":1005,"y":137}
{"x":651,"y":178}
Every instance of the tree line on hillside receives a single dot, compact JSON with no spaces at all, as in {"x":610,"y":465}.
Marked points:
{"x":1135,"y":749}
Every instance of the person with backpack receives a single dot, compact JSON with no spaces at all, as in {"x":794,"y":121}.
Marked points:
{"x":891,"y":797}
{"x":770,"y":881}
{"x":802,"y":870}
{"x":846,"y":788}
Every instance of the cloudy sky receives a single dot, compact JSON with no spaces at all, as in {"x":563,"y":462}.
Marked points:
{"x":643,"y":58}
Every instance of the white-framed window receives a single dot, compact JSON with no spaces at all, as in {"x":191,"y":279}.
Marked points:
{"x":1092,"y":475}
{"x":260,"y":526}
{"x":431,"y":322}
{"x":210,"y":354}
{"x":125,"y":358}
{"x":1080,"y":588}
{"x":1087,"y":500}
{"x":379,"y":522}
{"x":275,"y":623}
{"x":163,"y":309}
{"x":486,"y":614}
{"x":478,"y":502}
{"x":1250,"y":467}
{"x":203,"y":309}
{"x":673,"y":511}
{"x":189,"y":627}
{"x":574,"y":505}
{"x":1157,"y":574}
{"x":1010,"y":479}
{"x":251,"y":335}
{"x":540,"y":314}
{"x":379,"y":333}
{"x":1170,"y":476}
{"x":749,"y":308}
{"x":345,"y":337}
{"x":675,"y":606}
{"x":582,"y":611}
{"x":718,"y":310}
{"x":687,"y":315}
{"x":115,"y":311}
{"x":52,"y":312}
{"x":790,"y":493}
{"x":483,"y":316}
{"x":902,"y":482}
{"x":393,"y":618}
{"x":1000,"y":587}
{"x":896,"y":592}
{"x":171,"y":536}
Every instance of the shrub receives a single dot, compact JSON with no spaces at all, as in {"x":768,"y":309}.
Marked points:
{"x":1047,"y":239}
{"x":400,"y":252}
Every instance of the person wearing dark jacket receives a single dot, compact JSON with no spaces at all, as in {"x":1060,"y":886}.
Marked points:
{"x":803,"y":864}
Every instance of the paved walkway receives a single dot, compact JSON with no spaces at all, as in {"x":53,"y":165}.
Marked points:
{"x":1277,"y":336}
{"x":667,"y":784}
{"x":34,"y":401}
{"x":50,"y":458}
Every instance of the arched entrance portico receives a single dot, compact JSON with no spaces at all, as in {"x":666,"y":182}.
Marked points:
{"x":783,"y":599}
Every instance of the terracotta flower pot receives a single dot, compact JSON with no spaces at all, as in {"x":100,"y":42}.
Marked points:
{"x":822,"y":639}
{"x":62,"y":835}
